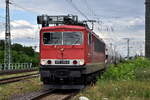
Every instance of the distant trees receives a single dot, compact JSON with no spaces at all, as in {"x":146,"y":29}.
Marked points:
{"x":20,"y":54}
{"x":20,"y":49}
{"x":1,"y":45}
{"x":1,"y":51}
{"x":1,"y":56}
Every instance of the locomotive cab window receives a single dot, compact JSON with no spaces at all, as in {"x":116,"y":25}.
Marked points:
{"x":72,"y":38}
{"x":53,"y":38}
{"x":62,"y":38}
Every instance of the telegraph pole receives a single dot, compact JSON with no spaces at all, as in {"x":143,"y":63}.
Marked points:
{"x":147,"y":29}
{"x":128,"y":47}
{"x":7,"y":55}
{"x":128,"y":51}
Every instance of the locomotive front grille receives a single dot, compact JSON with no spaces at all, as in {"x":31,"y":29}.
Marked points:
{"x":62,"y":62}
{"x":62,"y":74}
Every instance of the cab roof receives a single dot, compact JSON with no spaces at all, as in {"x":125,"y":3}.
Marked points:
{"x":64,"y":27}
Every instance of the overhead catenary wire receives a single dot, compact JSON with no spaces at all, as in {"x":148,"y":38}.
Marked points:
{"x":32,"y":10}
{"x":23,"y":8}
{"x":10,"y":2}
{"x":99,"y":22}
{"x":12,"y":21}
{"x":76,"y":8}
{"x":90,"y":9}
{"x":70,"y":2}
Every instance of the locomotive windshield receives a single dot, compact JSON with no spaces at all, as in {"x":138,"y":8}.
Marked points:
{"x":52,"y":38}
{"x":62,"y":38}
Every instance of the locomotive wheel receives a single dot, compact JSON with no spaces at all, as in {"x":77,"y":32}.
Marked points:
{"x":86,"y":79}
{"x":45,"y":81}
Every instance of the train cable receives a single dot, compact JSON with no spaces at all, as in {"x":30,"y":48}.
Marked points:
{"x":76,"y":8}
{"x":99,"y":22}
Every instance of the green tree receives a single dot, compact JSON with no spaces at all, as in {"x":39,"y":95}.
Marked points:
{"x":28,"y":51}
{"x":17,"y":47}
{"x":20,"y":54}
{"x":1,"y":56}
{"x":1,"y":44}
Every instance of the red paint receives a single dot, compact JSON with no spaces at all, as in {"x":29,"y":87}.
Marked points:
{"x":83,"y":51}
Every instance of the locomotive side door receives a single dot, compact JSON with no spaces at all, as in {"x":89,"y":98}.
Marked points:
{"x":90,"y":54}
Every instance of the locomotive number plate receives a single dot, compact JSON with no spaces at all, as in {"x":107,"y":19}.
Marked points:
{"x":62,"y":62}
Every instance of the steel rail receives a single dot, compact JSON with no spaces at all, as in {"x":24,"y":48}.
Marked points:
{"x":55,"y":95}
{"x":45,"y":94}
{"x":33,"y":95}
{"x":17,"y":78}
{"x":8,"y":72}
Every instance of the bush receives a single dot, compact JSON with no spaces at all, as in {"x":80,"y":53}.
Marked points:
{"x":128,"y":70}
{"x":20,"y":54}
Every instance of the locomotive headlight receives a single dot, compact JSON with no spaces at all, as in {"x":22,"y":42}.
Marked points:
{"x":43,"y":62}
{"x":81,"y":61}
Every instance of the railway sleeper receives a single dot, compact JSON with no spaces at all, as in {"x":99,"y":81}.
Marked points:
{"x":70,"y":80}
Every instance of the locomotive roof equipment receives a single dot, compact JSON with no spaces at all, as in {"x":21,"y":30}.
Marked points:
{"x":46,"y":20}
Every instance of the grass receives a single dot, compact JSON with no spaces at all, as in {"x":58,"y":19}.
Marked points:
{"x":128,"y":70}
{"x":129,"y":80}
{"x":29,"y":85}
{"x":117,"y":90}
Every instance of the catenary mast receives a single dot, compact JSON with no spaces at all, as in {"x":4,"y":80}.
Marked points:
{"x":147,"y":29}
{"x":7,"y":55}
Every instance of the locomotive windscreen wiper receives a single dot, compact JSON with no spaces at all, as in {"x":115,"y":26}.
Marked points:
{"x":56,"y":42}
{"x":72,"y":38}
{"x":77,"y":41}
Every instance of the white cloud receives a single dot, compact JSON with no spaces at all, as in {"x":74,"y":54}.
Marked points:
{"x":126,"y":17}
{"x":136,"y":21}
{"x":2,"y":34}
{"x":23,"y":31}
{"x":19,"y":23}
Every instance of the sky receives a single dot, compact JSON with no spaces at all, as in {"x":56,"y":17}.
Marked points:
{"x":118,"y":20}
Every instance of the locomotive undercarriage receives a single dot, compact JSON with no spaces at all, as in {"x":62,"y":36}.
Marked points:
{"x":70,"y":77}
{"x":56,"y":76}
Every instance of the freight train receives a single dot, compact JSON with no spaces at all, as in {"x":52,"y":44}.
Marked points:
{"x":71,"y":54}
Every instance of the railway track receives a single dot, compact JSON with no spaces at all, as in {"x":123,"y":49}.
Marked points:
{"x":58,"y":95}
{"x":17,"y":78}
{"x":47,"y":94}
{"x":8,"y":72}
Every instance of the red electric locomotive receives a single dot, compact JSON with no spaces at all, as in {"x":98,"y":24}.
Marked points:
{"x":71,"y":55}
